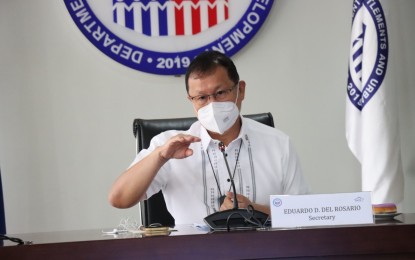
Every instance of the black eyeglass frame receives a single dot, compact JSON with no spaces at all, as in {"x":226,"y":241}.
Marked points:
{"x":203,"y":99}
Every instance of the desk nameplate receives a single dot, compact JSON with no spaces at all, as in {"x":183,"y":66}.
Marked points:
{"x":321,"y":209}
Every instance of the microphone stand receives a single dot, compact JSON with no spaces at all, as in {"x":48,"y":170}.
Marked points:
{"x":235,"y":218}
{"x":235,"y":200}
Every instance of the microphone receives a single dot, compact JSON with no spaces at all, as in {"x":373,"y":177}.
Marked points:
{"x":222,"y":149}
{"x":235,"y":218}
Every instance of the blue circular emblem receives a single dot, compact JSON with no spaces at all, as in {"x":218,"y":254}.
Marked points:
{"x":369,"y":52}
{"x":277,"y":202}
{"x":162,"y":37}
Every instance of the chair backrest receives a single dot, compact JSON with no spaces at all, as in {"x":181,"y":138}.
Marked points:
{"x":2,"y":213}
{"x":153,"y":210}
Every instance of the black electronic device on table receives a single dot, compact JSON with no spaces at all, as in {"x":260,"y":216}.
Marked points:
{"x":235,"y":218}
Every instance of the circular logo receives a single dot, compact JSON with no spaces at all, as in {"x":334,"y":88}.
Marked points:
{"x":277,"y":202}
{"x":162,"y":37}
{"x":369,"y":52}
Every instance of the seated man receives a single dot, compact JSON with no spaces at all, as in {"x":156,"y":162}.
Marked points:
{"x":189,"y":167}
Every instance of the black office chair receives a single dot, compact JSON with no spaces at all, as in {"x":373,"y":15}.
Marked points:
{"x":153,"y":210}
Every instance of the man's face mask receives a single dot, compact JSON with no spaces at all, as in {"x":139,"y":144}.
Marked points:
{"x":218,"y":117}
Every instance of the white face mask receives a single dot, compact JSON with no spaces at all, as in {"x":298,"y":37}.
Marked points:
{"x":218,"y":117}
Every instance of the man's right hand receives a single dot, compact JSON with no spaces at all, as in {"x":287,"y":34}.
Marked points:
{"x":131,"y":186}
{"x":178,"y":147}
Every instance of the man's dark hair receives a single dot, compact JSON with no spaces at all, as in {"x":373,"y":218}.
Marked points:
{"x":208,"y":61}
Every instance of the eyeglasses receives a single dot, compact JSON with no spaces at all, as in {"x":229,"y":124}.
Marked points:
{"x":220,"y":95}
